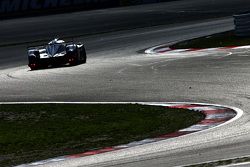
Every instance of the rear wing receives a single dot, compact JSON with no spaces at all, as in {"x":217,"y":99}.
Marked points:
{"x":43,"y":46}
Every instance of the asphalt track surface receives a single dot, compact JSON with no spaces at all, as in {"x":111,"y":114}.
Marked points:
{"x":117,"y":71}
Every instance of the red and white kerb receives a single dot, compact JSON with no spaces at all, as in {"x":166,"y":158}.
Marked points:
{"x":214,"y":116}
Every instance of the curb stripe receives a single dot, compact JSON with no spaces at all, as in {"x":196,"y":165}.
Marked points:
{"x":184,"y":106}
{"x":175,"y":134}
{"x":215,"y":116}
{"x":207,"y":112}
{"x":161,"y":49}
{"x":213,"y":121}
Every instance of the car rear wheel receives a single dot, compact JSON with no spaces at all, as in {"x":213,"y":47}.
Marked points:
{"x":33,"y":63}
{"x":73,"y":59}
{"x":83,"y":55}
{"x":33,"y":66}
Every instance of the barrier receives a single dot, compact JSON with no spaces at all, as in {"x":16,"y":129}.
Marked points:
{"x":242,"y":24}
{"x":16,"y":8}
{"x":19,"y":8}
{"x":137,"y":2}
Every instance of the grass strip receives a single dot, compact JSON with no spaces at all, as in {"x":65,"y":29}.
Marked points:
{"x":213,"y":41}
{"x":35,"y":132}
{"x":222,"y":162}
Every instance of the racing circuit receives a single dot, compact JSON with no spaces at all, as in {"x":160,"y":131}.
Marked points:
{"x":118,"y":70}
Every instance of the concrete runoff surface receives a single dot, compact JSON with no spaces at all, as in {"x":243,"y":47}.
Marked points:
{"x":115,"y":71}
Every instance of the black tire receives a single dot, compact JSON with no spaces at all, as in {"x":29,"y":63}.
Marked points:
{"x":83,"y":55}
{"x":78,"y":56}
{"x":74,"y":55}
{"x":33,"y":63}
{"x":32,"y":68}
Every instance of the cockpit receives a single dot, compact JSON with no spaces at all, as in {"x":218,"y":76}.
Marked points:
{"x":55,"y":46}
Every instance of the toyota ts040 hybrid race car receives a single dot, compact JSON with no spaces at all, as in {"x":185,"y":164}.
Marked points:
{"x":56,"y":52}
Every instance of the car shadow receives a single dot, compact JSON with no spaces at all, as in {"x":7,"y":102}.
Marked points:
{"x":55,"y":66}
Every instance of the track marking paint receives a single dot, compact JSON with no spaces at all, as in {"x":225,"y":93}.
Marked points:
{"x":163,"y":49}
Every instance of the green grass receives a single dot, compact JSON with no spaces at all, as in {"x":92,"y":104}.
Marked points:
{"x":39,"y":131}
{"x":213,"y":41}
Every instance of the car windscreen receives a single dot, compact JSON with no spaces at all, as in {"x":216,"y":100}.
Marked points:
{"x":53,"y":49}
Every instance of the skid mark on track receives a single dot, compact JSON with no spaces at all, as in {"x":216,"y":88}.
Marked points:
{"x":11,"y":76}
{"x":122,"y":70}
{"x":226,"y":55}
{"x":137,"y":65}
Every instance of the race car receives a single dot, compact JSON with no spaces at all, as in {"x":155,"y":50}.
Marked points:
{"x":56,"y":52}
